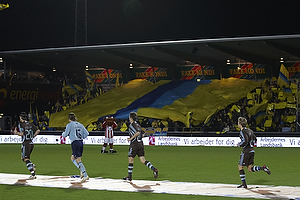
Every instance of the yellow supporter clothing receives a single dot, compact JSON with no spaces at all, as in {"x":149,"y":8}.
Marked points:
{"x":90,"y":127}
{"x":268,"y":123}
{"x":124,"y":127}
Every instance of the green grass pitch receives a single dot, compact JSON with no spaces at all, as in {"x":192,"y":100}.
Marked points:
{"x":180,"y":164}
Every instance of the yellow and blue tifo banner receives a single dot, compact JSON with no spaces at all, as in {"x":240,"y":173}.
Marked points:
{"x":189,"y":102}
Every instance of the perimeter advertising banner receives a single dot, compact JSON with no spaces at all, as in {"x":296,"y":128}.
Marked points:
{"x":107,"y":76}
{"x":150,"y":75}
{"x":247,"y":71}
{"x":294,"y":69}
{"x":204,"y":72}
{"x":198,"y":72}
{"x":17,"y":97}
{"x":163,"y":140}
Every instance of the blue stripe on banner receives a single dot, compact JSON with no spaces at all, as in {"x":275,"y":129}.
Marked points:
{"x":187,"y":88}
{"x":161,"y":96}
{"x":147,"y":99}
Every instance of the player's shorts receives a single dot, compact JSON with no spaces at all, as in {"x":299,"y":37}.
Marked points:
{"x":77,"y":148}
{"x":108,"y":140}
{"x":26,"y":149}
{"x":247,"y":158}
{"x":136,"y":148}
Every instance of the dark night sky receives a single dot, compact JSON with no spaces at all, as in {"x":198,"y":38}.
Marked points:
{"x":45,"y":23}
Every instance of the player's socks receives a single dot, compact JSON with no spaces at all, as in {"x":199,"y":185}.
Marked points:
{"x":82,"y":169}
{"x":32,"y":173}
{"x":30,"y":167}
{"x":148,"y":164}
{"x":130,"y":168}
{"x":243,"y":179}
{"x":75,"y":163}
{"x":256,"y":168}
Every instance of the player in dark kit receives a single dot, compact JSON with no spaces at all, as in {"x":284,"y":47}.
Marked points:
{"x":248,"y":140}
{"x":27,"y":131}
{"x":136,"y":147}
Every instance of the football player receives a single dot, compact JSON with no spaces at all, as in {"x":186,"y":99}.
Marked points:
{"x":76,"y":132}
{"x":248,"y":141}
{"x":27,"y":131}
{"x":136,"y":147}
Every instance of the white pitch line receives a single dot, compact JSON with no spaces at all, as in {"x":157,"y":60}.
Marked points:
{"x":184,"y":188}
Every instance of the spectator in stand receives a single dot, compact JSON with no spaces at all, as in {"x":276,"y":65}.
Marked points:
{"x":92,"y":127}
{"x":154,"y":123}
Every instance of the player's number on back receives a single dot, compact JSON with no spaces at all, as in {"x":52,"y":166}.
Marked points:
{"x":78,"y":133}
{"x":29,"y":134}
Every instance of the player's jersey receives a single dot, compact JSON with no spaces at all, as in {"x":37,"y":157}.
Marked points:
{"x":28,"y":129}
{"x":133,"y":128}
{"x":109,"y":130}
{"x":248,"y":139}
{"x":75,"y":131}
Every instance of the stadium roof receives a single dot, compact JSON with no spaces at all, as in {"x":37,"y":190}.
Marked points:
{"x":167,"y":54}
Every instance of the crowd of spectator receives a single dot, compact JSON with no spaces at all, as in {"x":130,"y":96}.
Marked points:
{"x":267,"y":108}
{"x":81,"y":97}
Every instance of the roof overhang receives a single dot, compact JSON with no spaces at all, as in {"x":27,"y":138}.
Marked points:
{"x":166,"y":54}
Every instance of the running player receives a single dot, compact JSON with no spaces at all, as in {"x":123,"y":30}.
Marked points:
{"x":248,"y":140}
{"x":136,"y":147}
{"x":76,"y":132}
{"x":27,"y":131}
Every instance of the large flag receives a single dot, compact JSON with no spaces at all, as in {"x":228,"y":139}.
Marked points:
{"x":117,"y":81}
{"x":89,"y":77}
{"x":3,"y":6}
{"x":283,"y":78}
{"x":71,"y":89}
{"x":162,"y":100}
{"x":90,"y":81}
{"x":258,"y":107}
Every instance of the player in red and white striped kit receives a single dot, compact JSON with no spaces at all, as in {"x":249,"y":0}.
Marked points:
{"x":109,"y":124}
